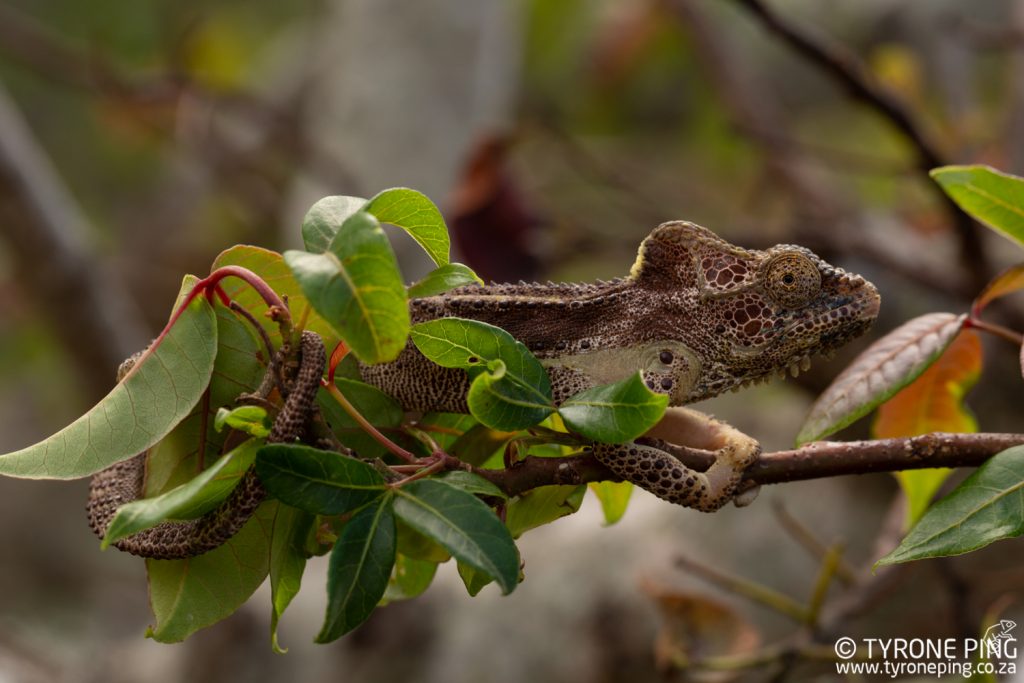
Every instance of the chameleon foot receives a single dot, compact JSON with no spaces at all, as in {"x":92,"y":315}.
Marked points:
{"x":652,"y":466}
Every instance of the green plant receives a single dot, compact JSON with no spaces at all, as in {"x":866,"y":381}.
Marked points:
{"x":391,"y":515}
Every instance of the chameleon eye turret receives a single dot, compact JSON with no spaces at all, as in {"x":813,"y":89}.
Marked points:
{"x":792,"y":279}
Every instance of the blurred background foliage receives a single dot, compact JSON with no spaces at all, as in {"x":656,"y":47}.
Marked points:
{"x":554,"y":135}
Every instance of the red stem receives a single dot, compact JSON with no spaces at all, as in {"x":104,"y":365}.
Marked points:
{"x":394,"y":448}
{"x":998,"y":330}
{"x":221,"y":294}
{"x":337,"y":355}
{"x":210,"y":285}
{"x":435,"y":466}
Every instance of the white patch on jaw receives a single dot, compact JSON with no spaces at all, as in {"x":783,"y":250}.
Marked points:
{"x":605,"y":366}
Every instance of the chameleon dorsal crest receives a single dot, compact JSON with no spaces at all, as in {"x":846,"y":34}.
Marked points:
{"x":679,"y":254}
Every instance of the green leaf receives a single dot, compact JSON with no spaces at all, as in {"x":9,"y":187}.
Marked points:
{"x":473,"y":579}
{"x":442,"y":279}
{"x":323,"y":219}
{"x":446,"y":428}
{"x":189,"y":501}
{"x":380,"y":409}
{"x":252,"y":420}
{"x":987,"y":506}
{"x":885,"y":367}
{"x":510,"y":388}
{"x":187,"y":595}
{"x":471,"y":483}
{"x":355,"y":285}
{"x":407,"y":209}
{"x":464,"y":525}
{"x":614,"y":413}
{"x":614,"y":497}
{"x":479,"y":443}
{"x":415,"y":545}
{"x":542,"y":506}
{"x":270,"y":266}
{"x":160,"y":391}
{"x":502,"y":401}
{"x":177,"y":458}
{"x":360,"y":569}
{"x":319,"y":482}
{"x":994,"y":198}
{"x":291,"y":531}
{"x":413,"y":212}
{"x":409,"y":578}
{"x":920,"y":488}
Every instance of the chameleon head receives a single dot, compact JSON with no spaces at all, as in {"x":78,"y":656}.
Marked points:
{"x":752,"y":314}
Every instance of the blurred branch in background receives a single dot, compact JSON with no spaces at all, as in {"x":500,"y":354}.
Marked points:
{"x":817,"y":200}
{"x":229,"y":145}
{"x":230,"y":142}
{"x":49,"y":237}
{"x":1014,"y":126}
{"x":846,"y":70}
{"x":753,"y":111}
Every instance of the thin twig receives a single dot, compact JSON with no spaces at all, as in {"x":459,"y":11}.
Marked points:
{"x":1006,"y":333}
{"x":755,"y":592}
{"x":260,"y":330}
{"x":347,"y":406}
{"x":829,"y":570}
{"x":811,"y":544}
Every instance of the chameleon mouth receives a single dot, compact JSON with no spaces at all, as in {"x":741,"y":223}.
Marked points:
{"x":849,"y":316}
{"x":793,"y":369}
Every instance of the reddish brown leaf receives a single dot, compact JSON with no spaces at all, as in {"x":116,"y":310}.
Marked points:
{"x":1007,"y":282}
{"x":934,"y":401}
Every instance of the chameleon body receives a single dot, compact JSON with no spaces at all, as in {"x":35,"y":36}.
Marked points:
{"x":697,"y":316}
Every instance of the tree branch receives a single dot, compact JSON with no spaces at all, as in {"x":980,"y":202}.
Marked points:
{"x":814,"y":461}
{"x":844,"y":68}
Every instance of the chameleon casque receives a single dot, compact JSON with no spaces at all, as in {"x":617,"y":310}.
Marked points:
{"x":696,"y":315}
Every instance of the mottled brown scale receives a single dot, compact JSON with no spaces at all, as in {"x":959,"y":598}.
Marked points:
{"x":722,"y":315}
{"x":124,"y":482}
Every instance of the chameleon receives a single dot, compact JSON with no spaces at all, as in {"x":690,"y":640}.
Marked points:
{"x":696,"y":316}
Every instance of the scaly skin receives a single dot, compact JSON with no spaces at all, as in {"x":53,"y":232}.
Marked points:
{"x":696,"y":315}
{"x":122,"y":482}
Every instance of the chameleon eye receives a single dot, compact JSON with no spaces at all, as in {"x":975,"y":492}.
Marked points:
{"x":666,"y":357}
{"x":792,"y":280}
